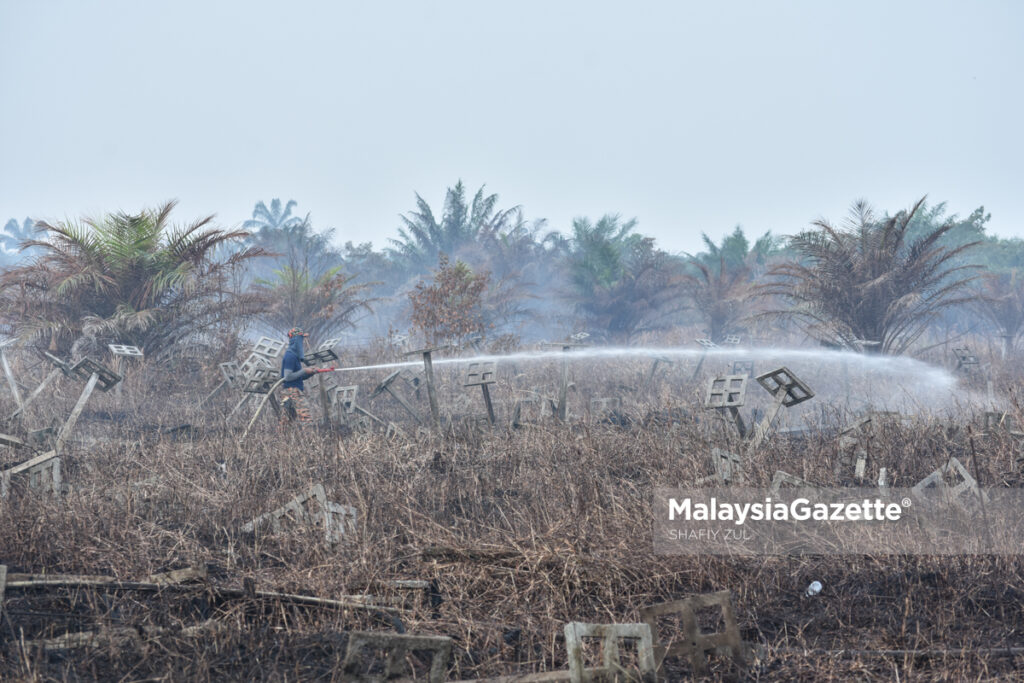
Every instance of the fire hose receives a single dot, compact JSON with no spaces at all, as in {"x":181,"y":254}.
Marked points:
{"x":266,"y":397}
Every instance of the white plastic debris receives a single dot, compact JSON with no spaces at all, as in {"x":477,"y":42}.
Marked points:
{"x":813,"y":589}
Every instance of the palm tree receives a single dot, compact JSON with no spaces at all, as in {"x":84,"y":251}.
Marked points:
{"x":720,"y":280}
{"x":720,"y":295}
{"x":322,"y":304}
{"x":866,"y":282}
{"x":423,"y":238}
{"x":274,"y":218}
{"x":125,"y":278}
{"x":1000,"y":300}
{"x":13,"y":236}
{"x":289,"y":242}
{"x":610,"y":233}
{"x":302,"y":248}
{"x":521,"y":271}
{"x":619,"y":283}
{"x":596,"y":252}
{"x":736,"y":250}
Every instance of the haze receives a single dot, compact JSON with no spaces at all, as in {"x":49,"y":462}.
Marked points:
{"x":688,"y":116}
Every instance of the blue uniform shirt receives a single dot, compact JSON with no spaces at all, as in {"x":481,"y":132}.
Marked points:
{"x":293,"y":361}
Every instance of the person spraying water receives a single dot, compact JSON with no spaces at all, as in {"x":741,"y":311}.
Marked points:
{"x":294,"y":375}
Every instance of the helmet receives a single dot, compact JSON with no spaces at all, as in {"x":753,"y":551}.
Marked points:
{"x":297,"y":332}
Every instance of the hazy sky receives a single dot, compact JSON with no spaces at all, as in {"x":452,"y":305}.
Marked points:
{"x":690,"y":116}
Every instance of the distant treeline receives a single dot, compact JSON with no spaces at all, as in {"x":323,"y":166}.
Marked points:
{"x":477,"y":271}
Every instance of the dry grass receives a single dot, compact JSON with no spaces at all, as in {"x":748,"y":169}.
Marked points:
{"x":519,"y":531}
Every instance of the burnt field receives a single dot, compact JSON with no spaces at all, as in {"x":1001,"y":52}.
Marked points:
{"x":492,"y":538}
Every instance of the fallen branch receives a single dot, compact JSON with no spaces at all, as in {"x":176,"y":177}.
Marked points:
{"x":23,"y":581}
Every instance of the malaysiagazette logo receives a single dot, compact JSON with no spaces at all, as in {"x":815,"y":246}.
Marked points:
{"x":806,"y":520}
{"x":797,"y":510}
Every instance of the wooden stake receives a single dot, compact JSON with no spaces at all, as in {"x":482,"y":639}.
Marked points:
{"x":269,"y":397}
{"x":10,"y":379}
{"x":428,"y":371}
{"x":117,"y":369}
{"x":741,"y":426}
{"x":405,"y":404}
{"x":325,"y":404}
{"x":762,"y":427}
{"x":487,"y":402}
{"x":216,"y":390}
{"x":563,"y":387}
{"x":65,"y":431}
{"x":700,"y":364}
{"x":238,"y":406}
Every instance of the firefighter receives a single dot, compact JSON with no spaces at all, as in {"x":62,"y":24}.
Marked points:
{"x":294,"y":375}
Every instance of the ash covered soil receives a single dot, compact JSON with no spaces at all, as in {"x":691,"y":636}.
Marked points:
{"x":511,"y":532}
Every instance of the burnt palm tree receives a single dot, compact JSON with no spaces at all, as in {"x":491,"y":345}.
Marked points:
{"x":865,"y":285}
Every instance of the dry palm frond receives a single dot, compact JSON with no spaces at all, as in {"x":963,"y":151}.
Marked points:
{"x":864,"y":282}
